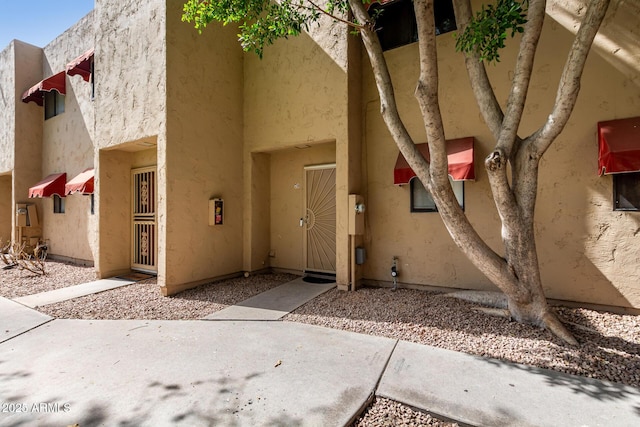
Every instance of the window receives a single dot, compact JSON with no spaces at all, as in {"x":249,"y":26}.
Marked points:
{"x":53,"y":104}
{"x":396,"y":23}
{"x":58,"y":204}
{"x":626,"y":191}
{"x":421,"y":200}
{"x":93,"y":204}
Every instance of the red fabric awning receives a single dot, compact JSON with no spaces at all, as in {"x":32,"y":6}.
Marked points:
{"x":459,"y":155}
{"x":53,"y":184}
{"x":82,"y":183}
{"x":56,"y":82}
{"x":81,"y":65}
{"x":619,"y":146}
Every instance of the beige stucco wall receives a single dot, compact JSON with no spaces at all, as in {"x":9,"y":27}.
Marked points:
{"x":287,"y":204}
{"x":67,"y":146}
{"x":587,"y":252}
{"x":130,"y":66}
{"x":203,"y":151}
{"x":256,"y":212}
{"x":7,"y":108}
{"x":7,"y":139}
{"x":590,"y":252}
{"x":294,"y":95}
{"x":113,"y":204}
{"x":27,"y":164}
{"x":297,"y":95}
{"x":130,"y":86}
{"x":617,"y":39}
{"x":420,"y":240}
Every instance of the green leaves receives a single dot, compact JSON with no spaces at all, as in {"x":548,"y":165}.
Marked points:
{"x":262,"y":22}
{"x":487,"y":32}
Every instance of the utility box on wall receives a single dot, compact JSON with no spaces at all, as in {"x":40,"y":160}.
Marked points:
{"x":21,"y":215}
{"x":216,"y":211}
{"x":32,"y":213}
{"x":26,"y":215}
{"x":356,"y":215}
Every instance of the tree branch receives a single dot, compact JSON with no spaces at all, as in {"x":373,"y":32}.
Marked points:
{"x":569,"y":86}
{"x":506,"y":195}
{"x":522,"y":76}
{"x":484,"y":93}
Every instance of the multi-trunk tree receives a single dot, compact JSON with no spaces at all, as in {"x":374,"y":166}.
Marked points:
{"x":512,"y":166}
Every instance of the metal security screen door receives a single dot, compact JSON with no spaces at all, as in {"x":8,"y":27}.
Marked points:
{"x":144,"y":239}
{"x":320,"y":219}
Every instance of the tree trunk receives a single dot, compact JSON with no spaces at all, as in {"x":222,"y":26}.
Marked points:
{"x":517,"y":274}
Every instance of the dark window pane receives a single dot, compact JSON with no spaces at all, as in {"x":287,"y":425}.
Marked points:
{"x":421,"y":200}
{"x":626,"y":191}
{"x":53,"y":104}
{"x":396,"y":22}
{"x":49,"y":104}
{"x":58,"y":204}
{"x":445,"y":18}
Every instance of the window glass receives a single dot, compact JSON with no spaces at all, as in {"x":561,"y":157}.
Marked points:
{"x":396,"y":21}
{"x":58,"y":204}
{"x":49,"y":104}
{"x":626,"y":191}
{"x":53,"y":104}
{"x":421,"y":200}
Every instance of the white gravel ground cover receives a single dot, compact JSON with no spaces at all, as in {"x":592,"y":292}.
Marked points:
{"x":16,"y":283}
{"x":609,"y":349}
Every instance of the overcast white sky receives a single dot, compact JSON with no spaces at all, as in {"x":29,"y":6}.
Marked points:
{"x":38,"y":22}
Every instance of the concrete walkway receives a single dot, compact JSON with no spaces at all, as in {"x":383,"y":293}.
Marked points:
{"x":71,"y":292}
{"x":246,"y":373}
{"x":489,"y":392}
{"x":274,"y":303}
{"x":15,"y":319}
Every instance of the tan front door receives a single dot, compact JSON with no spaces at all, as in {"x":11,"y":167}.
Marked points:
{"x":144,"y":235}
{"x":320,"y":219}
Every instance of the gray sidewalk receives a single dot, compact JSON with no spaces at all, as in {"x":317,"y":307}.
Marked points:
{"x":71,"y":292}
{"x":489,"y":392}
{"x":191,"y":373}
{"x":274,"y":303}
{"x":16,"y":319}
{"x":246,"y":373}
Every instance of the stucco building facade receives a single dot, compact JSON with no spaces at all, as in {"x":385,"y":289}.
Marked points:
{"x":209,"y":162}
